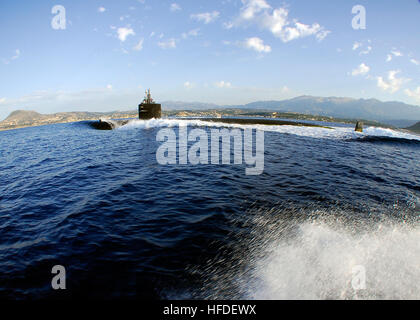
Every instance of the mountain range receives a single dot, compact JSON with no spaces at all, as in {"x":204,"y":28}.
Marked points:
{"x":415,"y":128}
{"x":392,"y":112}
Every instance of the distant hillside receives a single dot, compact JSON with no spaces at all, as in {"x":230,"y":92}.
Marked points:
{"x":415,"y":128}
{"x":396,"y":113}
{"x":393,"y":113}
{"x":20,"y":118}
{"x":23,"y":118}
{"x":180,"y":105}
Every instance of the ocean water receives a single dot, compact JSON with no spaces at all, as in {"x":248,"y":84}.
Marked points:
{"x":98,"y":203}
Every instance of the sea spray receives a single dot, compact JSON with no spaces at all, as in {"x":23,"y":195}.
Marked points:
{"x":314,"y":253}
{"x":314,"y":132}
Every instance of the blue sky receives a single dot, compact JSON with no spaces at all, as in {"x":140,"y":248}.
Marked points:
{"x":225,"y":52}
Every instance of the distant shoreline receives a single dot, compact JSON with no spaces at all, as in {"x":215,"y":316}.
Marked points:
{"x":25,"y":119}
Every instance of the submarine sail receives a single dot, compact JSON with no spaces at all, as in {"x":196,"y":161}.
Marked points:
{"x":149,"y":109}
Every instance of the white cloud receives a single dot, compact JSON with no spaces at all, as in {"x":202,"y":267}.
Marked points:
{"x":17,"y":54}
{"x":252,"y":7}
{"x":321,"y":35}
{"x":101,"y":9}
{"x":188,"y":85}
{"x":168,"y":44}
{"x":109,"y":86}
{"x":175,"y":7}
{"x":257,"y":44}
{"x":364,"y":48}
{"x":300,"y":30}
{"x":123,"y":33}
{"x":394,"y":53}
{"x":360,"y":70}
{"x":205,"y":17}
{"x":392,"y":83}
{"x":397,"y":53}
{"x":191,"y":33}
{"x":260,"y":13}
{"x":414,"y":61}
{"x":413,"y":93}
{"x":356,"y":45}
{"x":285,"y":89}
{"x":223,"y":84}
{"x":228,"y":25}
{"x":367,"y":51}
{"x":2,"y":100}
{"x":139,"y":45}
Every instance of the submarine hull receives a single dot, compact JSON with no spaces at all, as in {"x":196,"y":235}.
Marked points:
{"x":150,"y":111}
{"x":107,"y":124}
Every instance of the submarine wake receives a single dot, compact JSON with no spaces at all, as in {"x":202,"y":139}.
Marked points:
{"x":290,"y":253}
{"x":346,"y":133}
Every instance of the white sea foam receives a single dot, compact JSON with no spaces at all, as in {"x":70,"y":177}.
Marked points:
{"x":288,"y":253}
{"x":318,"y":264}
{"x":334,"y":133}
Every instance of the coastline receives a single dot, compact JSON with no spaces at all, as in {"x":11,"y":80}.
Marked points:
{"x":225,"y":116}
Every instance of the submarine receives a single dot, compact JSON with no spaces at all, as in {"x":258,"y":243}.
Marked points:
{"x":147,"y":109}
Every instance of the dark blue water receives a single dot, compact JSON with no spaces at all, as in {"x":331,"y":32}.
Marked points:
{"x":98,"y":203}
